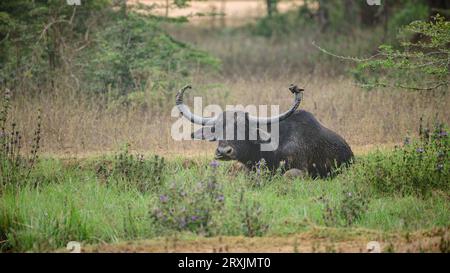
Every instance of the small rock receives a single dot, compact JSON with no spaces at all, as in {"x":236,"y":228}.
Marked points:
{"x":294,"y":173}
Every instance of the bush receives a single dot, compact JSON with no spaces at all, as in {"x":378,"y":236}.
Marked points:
{"x":187,"y":207}
{"x":347,"y":210}
{"x":128,"y":170}
{"x":418,"y":167}
{"x":353,"y":206}
{"x":100,"y":47}
{"x":133,"y":53}
{"x":14,"y":166}
{"x":250,"y":214}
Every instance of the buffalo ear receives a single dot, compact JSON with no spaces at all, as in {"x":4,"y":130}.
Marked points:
{"x":204,"y":133}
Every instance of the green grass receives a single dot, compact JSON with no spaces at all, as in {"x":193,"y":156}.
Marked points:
{"x":75,"y":201}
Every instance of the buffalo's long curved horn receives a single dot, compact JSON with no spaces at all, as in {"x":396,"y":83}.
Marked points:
{"x":184,"y":110}
{"x":269,"y":120}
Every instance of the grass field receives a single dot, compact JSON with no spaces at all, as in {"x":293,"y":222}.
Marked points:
{"x":110,"y":200}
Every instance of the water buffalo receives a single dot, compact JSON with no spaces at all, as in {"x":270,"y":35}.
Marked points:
{"x":303,"y":143}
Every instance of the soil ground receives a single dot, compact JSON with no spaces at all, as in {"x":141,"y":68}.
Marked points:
{"x":315,"y":240}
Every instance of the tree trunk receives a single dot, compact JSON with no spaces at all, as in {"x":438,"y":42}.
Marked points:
{"x":323,"y":15}
{"x":167,"y":8}
{"x":350,"y":11}
{"x":271,"y":7}
{"x":222,"y":13}
{"x":368,"y":13}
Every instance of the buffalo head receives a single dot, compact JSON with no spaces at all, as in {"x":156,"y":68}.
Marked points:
{"x":238,"y":133}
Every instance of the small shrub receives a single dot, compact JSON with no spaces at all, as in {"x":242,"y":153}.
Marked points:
{"x":346,"y":211}
{"x":352,"y":207}
{"x":186,"y":207}
{"x":419,"y":167}
{"x":329,"y":215}
{"x":260,"y":175}
{"x":250,"y":212}
{"x":134,"y":171}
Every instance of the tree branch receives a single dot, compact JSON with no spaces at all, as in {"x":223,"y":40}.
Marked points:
{"x":348,"y":58}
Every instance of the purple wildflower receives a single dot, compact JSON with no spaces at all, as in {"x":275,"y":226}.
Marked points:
{"x":163,"y":198}
{"x":220,"y":198}
{"x":214,"y":164}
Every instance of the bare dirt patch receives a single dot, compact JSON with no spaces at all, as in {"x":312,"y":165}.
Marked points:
{"x":316,"y":240}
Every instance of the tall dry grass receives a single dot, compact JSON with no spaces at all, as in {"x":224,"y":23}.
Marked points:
{"x":73,"y":126}
{"x":255,"y":71}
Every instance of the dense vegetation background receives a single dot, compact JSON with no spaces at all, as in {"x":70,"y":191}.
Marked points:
{"x":111,"y":46}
